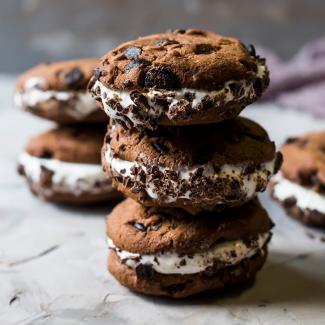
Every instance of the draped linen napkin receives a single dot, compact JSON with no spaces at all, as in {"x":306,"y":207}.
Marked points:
{"x":300,"y":82}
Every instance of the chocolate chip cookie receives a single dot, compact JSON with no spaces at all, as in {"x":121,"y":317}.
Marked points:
{"x":165,"y":251}
{"x":181,"y":77}
{"x":202,"y":167}
{"x":57,"y":91}
{"x":63,"y":165}
{"x":300,"y":187}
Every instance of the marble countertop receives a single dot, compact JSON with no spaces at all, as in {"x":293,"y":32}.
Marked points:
{"x":53,"y":259}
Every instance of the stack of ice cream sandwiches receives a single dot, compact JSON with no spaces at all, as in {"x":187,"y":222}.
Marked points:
{"x":63,"y":164}
{"x":300,"y":186}
{"x":189,"y":165}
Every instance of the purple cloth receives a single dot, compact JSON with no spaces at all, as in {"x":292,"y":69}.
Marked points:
{"x":300,"y":82}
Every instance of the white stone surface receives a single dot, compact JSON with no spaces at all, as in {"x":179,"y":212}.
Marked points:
{"x":53,"y":259}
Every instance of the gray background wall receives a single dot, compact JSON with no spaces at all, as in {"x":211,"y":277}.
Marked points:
{"x":42,"y":30}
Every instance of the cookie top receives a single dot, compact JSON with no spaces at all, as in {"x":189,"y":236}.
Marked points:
{"x":138,"y":229}
{"x":191,"y":58}
{"x":237,"y":141}
{"x":70,"y":144}
{"x":304,"y":160}
{"x":71,"y":75}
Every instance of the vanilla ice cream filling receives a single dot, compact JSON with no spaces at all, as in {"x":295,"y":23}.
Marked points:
{"x":248,"y":182}
{"x":173,"y":98}
{"x":81,"y":103}
{"x":306,"y":198}
{"x":67,"y":177}
{"x":227,"y":253}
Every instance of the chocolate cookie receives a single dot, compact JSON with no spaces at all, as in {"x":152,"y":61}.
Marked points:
{"x":63,"y":165}
{"x":57,"y":91}
{"x":165,"y":251}
{"x":182,"y":77}
{"x":300,"y":187}
{"x":202,"y":167}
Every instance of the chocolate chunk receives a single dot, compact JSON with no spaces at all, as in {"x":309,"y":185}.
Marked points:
{"x":180,"y":31}
{"x":204,"y":49}
{"x":144,"y":271}
{"x":74,"y":78}
{"x":161,"y":77}
{"x":135,"y":64}
{"x":139,"y":226}
{"x":289,"y":202}
{"x":182,"y":262}
{"x":196,"y":32}
{"x":251,"y":49}
{"x":291,"y":140}
{"x":161,"y":148}
{"x":132,"y":52}
{"x":46,"y":154}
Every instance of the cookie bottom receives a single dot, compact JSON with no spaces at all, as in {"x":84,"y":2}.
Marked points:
{"x":51,"y":194}
{"x":306,"y":216}
{"x":299,"y":202}
{"x":147,"y":281}
{"x":62,"y":113}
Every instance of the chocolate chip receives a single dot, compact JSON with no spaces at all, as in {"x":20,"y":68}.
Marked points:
{"x":204,"y":49}
{"x":291,"y":140}
{"x":182,"y":262}
{"x":180,"y":31}
{"x":132,"y":52}
{"x":135,"y":64}
{"x":289,"y":202}
{"x":196,"y":32}
{"x":161,"y":77}
{"x":189,"y":96}
{"x":161,"y":148}
{"x":139,"y":226}
{"x":46,"y":154}
{"x":74,"y":78}
{"x":251,"y":50}
{"x":144,"y":271}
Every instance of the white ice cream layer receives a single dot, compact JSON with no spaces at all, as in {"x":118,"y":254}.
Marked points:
{"x":82,"y":103}
{"x":305,"y":197}
{"x":67,"y":177}
{"x":248,"y":182}
{"x":228,"y":253}
{"x":173,"y":98}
